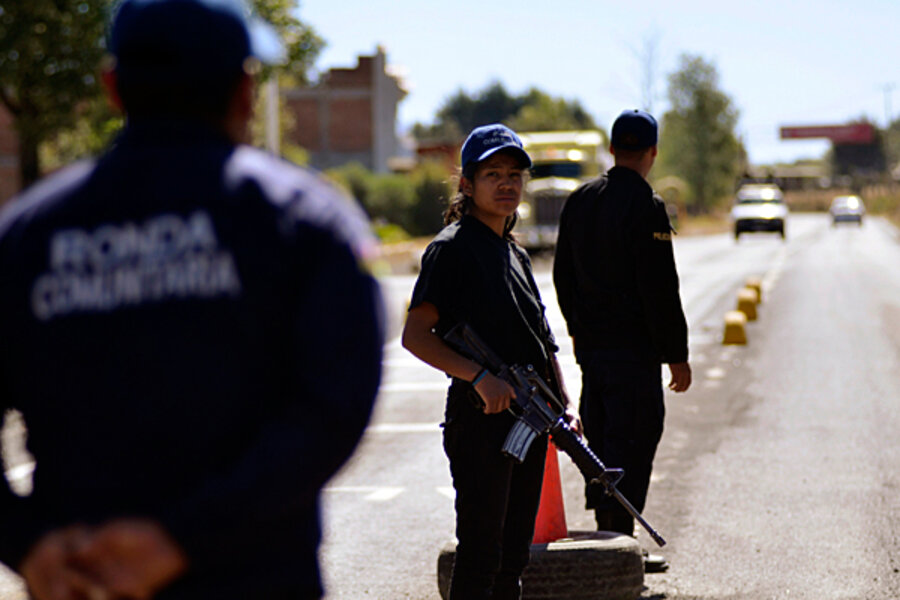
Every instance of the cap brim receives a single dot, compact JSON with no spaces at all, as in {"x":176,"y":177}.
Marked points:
{"x":265,"y":44}
{"x":512,"y":148}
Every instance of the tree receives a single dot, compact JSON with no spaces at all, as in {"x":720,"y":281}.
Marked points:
{"x":491,"y":105}
{"x":698,"y":141}
{"x":51,"y":54}
{"x":540,"y":112}
{"x":460,"y":113}
{"x":533,"y":111}
{"x":301,"y":41}
{"x":891,"y":138}
{"x":50,"y":51}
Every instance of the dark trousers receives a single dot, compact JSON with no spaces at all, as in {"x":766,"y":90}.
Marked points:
{"x":622,"y":411}
{"x":496,"y":505}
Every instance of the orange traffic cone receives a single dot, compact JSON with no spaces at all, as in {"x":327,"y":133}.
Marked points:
{"x":550,"y":524}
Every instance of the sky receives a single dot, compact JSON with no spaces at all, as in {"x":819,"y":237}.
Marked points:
{"x":787,"y":62}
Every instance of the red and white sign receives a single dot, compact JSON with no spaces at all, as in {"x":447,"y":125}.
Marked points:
{"x":854,"y":133}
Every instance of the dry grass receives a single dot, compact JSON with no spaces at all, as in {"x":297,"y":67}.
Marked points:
{"x":883,"y":200}
{"x":703,"y":224}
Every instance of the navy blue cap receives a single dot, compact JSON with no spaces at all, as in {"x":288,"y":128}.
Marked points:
{"x":189,"y":39}
{"x":634,"y":130}
{"x":488,"y":139}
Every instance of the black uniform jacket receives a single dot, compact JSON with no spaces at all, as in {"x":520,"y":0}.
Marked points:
{"x":189,"y":335}
{"x":614,"y":271}
{"x":474,"y":276}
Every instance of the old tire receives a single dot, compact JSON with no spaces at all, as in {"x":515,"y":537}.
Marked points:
{"x":588,"y":565}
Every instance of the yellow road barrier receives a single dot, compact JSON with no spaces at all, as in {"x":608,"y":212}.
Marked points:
{"x":755,"y":283}
{"x":746,"y":302}
{"x":735,"y":328}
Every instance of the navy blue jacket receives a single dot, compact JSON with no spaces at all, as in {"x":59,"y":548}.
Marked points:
{"x":614,"y":271}
{"x":190,"y":335}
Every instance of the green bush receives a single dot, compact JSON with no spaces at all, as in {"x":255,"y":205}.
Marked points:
{"x":391,"y":197}
{"x":390,"y":233}
{"x":432,"y":191}
{"x":294,"y":153}
{"x":355,"y":179}
{"x":413,"y":201}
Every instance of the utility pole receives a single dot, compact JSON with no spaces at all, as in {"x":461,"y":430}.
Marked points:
{"x":273,"y":137}
{"x":888,"y":89}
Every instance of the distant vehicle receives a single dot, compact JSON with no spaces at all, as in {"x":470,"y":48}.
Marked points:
{"x":561,"y":161}
{"x":759,"y":207}
{"x":847,"y":208}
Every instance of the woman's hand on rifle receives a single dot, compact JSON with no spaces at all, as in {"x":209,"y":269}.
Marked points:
{"x":420,"y":339}
{"x":496,"y":393}
{"x":574,"y":421}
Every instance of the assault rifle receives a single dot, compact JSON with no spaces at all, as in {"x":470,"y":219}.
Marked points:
{"x":537,"y":411}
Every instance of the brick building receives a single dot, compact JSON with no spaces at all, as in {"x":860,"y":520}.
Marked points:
{"x":9,"y":157}
{"x":350,"y":115}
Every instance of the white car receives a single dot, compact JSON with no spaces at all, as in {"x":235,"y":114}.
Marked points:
{"x":759,"y":207}
{"x":847,"y":208}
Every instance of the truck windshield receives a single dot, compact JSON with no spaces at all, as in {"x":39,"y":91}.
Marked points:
{"x":568,"y":169}
{"x":754,"y":200}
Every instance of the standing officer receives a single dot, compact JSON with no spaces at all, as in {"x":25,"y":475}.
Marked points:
{"x":617,"y":286}
{"x":188,"y":333}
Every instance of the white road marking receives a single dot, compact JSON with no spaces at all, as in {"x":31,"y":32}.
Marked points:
{"x":385,"y":493}
{"x":20,"y":472}
{"x":373,"y":494}
{"x":726,"y":353}
{"x":394,"y":344}
{"x":715,"y":373}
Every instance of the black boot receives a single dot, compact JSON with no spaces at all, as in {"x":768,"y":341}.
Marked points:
{"x":604,"y":519}
{"x":613,"y":520}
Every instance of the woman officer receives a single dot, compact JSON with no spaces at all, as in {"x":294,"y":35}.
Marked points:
{"x":473,"y":272}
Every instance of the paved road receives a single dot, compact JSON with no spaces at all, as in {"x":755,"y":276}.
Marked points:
{"x":777,"y":474}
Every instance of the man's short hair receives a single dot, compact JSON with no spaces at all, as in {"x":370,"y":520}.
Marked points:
{"x":631,"y":155}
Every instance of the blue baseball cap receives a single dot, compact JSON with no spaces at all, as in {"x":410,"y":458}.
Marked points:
{"x":634,"y":130}
{"x":166,"y":40}
{"x":489,"y":139}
